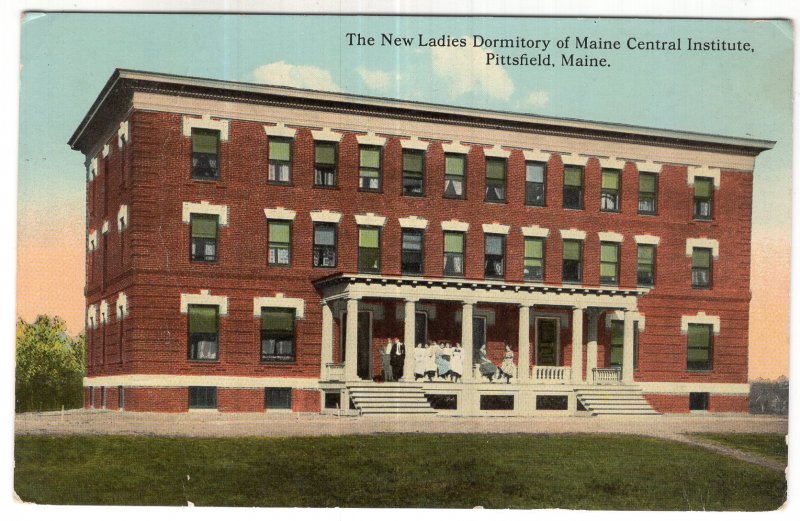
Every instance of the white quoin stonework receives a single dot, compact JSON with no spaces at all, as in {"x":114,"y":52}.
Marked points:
{"x":93,"y":169}
{"x":205,"y":208}
{"x":279,"y":301}
{"x":711,"y":244}
{"x":204,"y":298}
{"x":93,"y":240}
{"x":104,"y":317}
{"x":122,"y":218}
{"x":700,"y":318}
{"x":106,"y":150}
{"x":123,"y":136}
{"x":91,"y":317}
{"x":122,"y":306}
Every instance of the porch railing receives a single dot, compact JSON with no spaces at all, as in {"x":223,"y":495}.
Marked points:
{"x":607,"y":375}
{"x":551,"y":374}
{"x":334,"y":372}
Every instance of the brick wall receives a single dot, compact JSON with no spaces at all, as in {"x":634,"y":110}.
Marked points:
{"x":240,"y":400}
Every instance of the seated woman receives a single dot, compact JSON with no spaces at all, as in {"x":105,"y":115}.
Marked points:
{"x":430,"y":361}
{"x":487,"y":368}
{"x":508,"y":369}
{"x":456,"y":364}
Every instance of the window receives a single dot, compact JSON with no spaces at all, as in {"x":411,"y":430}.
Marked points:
{"x":278,"y":398}
{"x":369,"y":174}
{"x":535,"y":183}
{"x":698,"y":401}
{"x":609,"y":263}
{"x":412,"y":257}
{"x":572,"y":269}
{"x":325,"y":245}
{"x":277,"y":334}
{"x":646,"y":269}
{"x":495,"y":180}
{"x":203,"y":332}
{"x":202,"y":397}
{"x":648,"y":193}
{"x":455,"y":174}
{"x":413,"y":172}
{"x":494,"y":256}
{"x":204,"y":237}
{"x":573,"y":187}
{"x":703,"y":198}
{"x":701,"y":268}
{"x":280,"y":160}
{"x":325,"y":164}
{"x":700,"y":345}
{"x":454,"y":254}
{"x":617,"y":339}
{"x":280,"y":243}
{"x":369,"y":250}
{"x":534,"y":259}
{"x":609,"y":190}
{"x":205,"y":154}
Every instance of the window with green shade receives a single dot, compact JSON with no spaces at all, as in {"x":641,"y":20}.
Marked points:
{"x":702,"y":267}
{"x":369,"y":249}
{"x":369,"y":174}
{"x":700,"y":347}
{"x":325,"y":163}
{"x":414,"y":172}
{"x":205,"y":154}
{"x":203,"y":332}
{"x":454,"y":254}
{"x":572,"y":268}
{"x":703,"y":198}
{"x":204,"y":237}
{"x":648,"y":193}
{"x":455,"y":176}
{"x":277,"y":334}
{"x":280,"y":160}
{"x":535,"y":176}
{"x":609,"y":263}
{"x":573,"y":187}
{"x":617,"y":342}
{"x":610,"y":190}
{"x":495,"y":180}
{"x":646,"y":268}
{"x":280,"y":243}
{"x":534,"y":259}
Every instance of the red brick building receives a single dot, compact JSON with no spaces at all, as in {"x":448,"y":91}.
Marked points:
{"x":252,"y":248}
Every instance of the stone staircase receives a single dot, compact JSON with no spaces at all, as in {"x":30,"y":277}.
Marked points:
{"x":389,"y":398}
{"x":617,"y":400}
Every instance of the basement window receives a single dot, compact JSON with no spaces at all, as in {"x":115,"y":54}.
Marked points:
{"x":446,"y":402}
{"x":202,"y":397}
{"x":278,"y":398}
{"x":497,"y":402}
{"x":547,"y":402}
{"x":333,"y":400}
{"x":698,"y":401}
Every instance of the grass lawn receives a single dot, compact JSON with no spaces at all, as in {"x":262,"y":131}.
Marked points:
{"x":772,"y":446}
{"x":459,"y":471}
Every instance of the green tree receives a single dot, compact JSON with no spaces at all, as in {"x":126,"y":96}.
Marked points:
{"x":50,"y":365}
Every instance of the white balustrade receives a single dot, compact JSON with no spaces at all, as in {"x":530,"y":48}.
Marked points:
{"x":607,"y":375}
{"x":551,"y":374}
{"x":335,"y":372}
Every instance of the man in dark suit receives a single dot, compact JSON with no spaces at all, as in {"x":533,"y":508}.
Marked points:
{"x":397,"y":358}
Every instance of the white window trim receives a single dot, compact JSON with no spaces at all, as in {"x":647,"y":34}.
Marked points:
{"x":105,"y":227}
{"x":494,"y":228}
{"x":93,"y":240}
{"x":455,"y":226}
{"x":123,"y":133}
{"x":610,"y":237}
{"x":205,"y":122}
{"x":573,"y":234}
{"x":370,"y":219}
{"x":574,"y":160}
{"x":413,"y":222}
{"x":279,"y":130}
{"x":93,"y":173}
{"x":324,"y":216}
{"x":280,"y":301}
{"x":700,"y":318}
{"x":104,"y":315}
{"x":455,"y":148}
{"x":647,"y":167}
{"x":106,"y":150}
{"x":613,"y":163}
{"x":497,"y":152}
{"x":326,"y":134}
{"x":122,"y":215}
{"x":279,"y":214}
{"x":535,"y":231}
{"x":91,"y":317}
{"x":536,"y":155}
{"x":647,"y":239}
{"x":122,"y":306}
{"x":414,"y":144}
{"x":205,"y":208}
{"x":371,"y":139}
{"x":703,"y":171}
{"x":619,"y":315}
{"x":204,"y":298}
{"x":702,"y":242}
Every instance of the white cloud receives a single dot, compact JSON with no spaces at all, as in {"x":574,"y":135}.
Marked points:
{"x":302,"y":76}
{"x":374,"y":80}
{"x":538,"y":98}
{"x":466,"y":71}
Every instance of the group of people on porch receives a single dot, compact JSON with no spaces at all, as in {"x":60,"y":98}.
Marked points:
{"x":442,"y":360}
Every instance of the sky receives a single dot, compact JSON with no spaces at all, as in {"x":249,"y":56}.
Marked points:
{"x":66,"y":59}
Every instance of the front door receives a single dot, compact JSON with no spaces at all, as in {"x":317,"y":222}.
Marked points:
{"x":546,"y":341}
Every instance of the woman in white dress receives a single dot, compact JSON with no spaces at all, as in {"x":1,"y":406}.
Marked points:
{"x":508,"y":369}
{"x":419,"y":362}
{"x":456,"y":363}
{"x":430,"y":362}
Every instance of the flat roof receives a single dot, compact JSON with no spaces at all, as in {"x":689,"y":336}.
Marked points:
{"x":124,"y":81}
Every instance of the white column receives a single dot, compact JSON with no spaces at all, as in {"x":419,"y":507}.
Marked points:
{"x":524,"y":362}
{"x":326,"y":349}
{"x":351,"y":347}
{"x":627,"y":348}
{"x":409,"y":336}
{"x":577,"y":345}
{"x":591,"y":346}
{"x":466,"y":341}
